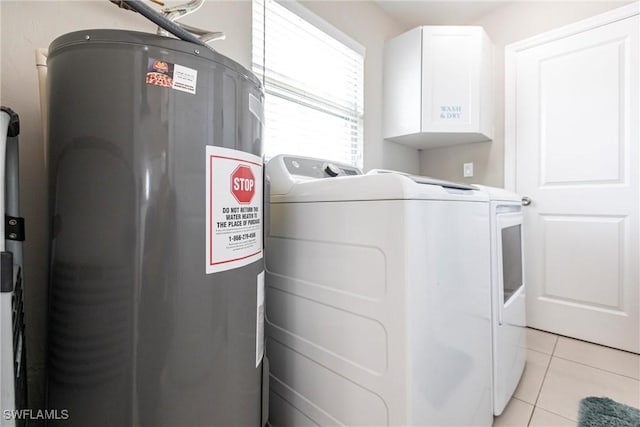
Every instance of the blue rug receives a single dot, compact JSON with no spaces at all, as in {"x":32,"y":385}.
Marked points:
{"x":604,"y":412}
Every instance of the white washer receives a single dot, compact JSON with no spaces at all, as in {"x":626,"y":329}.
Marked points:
{"x":508,"y":295}
{"x":378,"y":299}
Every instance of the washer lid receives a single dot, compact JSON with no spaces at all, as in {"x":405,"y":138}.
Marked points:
{"x":500,"y":194}
{"x":304,"y":179}
{"x":426,"y":180}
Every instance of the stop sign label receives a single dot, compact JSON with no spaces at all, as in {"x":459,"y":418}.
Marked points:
{"x":233,"y":224}
{"x":243,"y":184}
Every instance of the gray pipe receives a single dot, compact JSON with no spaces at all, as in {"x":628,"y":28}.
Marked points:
{"x":179,"y":11}
{"x":204,"y":35}
{"x":161,"y":21}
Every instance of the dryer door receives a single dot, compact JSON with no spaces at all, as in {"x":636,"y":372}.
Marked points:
{"x":509,"y":312}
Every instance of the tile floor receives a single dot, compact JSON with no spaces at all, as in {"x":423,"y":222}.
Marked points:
{"x":559,"y":372}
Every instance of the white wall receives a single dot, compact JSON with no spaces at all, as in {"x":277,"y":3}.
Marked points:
{"x":27,"y":25}
{"x":506,"y":24}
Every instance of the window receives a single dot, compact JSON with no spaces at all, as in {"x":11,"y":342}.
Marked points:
{"x":313,"y":81}
{"x":511,"y":261}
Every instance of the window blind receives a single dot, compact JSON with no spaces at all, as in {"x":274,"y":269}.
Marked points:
{"x":313,"y":84}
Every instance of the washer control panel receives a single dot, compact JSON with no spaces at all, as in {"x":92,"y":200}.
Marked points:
{"x":284,"y":171}
{"x":317,"y":168}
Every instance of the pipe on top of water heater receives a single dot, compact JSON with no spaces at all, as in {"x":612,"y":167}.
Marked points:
{"x":158,"y":19}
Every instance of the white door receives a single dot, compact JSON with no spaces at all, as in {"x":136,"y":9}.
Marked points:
{"x":575,"y":136}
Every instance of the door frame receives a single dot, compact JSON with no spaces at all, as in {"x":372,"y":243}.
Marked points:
{"x":511,"y":51}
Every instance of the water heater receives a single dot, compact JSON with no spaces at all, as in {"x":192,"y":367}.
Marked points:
{"x":156,"y":296}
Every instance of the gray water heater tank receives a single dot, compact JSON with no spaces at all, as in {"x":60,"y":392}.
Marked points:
{"x":156,"y":298}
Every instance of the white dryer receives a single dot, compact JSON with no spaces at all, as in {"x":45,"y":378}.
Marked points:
{"x":508,"y":295}
{"x":378,"y":298}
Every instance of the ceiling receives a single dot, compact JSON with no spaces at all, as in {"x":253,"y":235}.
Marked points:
{"x":432,"y":12}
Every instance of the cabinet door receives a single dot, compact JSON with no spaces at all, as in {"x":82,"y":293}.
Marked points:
{"x":450,"y":72}
{"x":402,"y":74}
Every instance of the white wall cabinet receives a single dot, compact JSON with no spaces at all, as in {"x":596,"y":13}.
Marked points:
{"x":438,"y":86}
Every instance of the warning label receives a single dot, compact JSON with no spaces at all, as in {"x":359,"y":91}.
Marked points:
{"x":174,"y":76}
{"x":234,"y":209}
